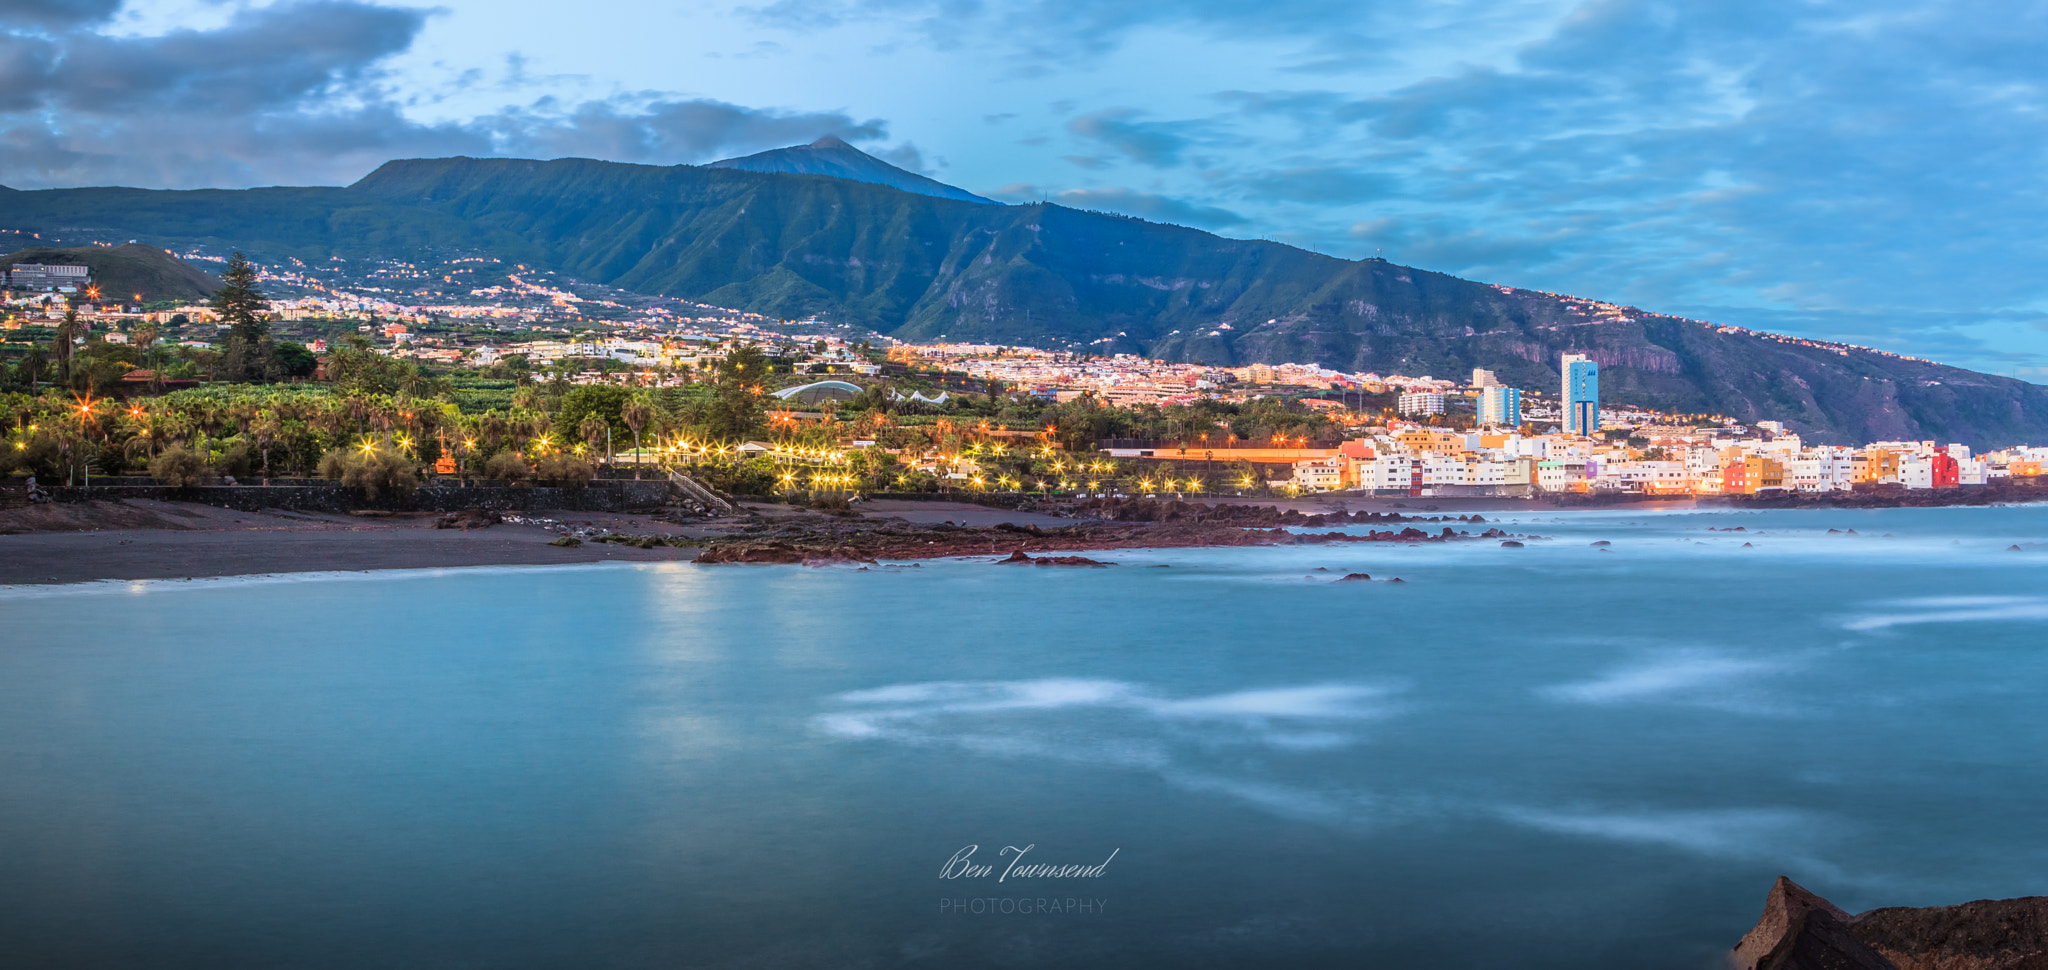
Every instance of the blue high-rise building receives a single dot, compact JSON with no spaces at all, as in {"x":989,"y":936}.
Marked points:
{"x":1581,"y":399}
{"x":1500,"y":406}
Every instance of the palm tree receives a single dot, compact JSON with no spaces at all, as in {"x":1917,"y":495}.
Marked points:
{"x":636,"y":414}
{"x":67,"y":331}
{"x":145,"y":341}
{"x":265,"y":429}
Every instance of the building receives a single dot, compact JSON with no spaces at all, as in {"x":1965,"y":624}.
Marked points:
{"x":44,"y":278}
{"x":1484,"y":379}
{"x":1319,"y":474}
{"x":1581,"y":398}
{"x":1500,"y":406}
{"x":1422,"y":402}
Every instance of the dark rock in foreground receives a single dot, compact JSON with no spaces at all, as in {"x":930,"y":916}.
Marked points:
{"x":1802,"y":931}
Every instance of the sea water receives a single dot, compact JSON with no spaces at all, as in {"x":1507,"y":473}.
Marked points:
{"x":1563,"y":755}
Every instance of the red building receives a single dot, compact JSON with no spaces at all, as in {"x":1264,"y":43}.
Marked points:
{"x":1947,"y":472}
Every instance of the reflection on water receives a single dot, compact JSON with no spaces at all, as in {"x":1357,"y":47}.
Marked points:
{"x":1562,"y":755}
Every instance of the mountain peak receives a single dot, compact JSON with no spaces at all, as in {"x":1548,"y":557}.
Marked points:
{"x":832,"y":156}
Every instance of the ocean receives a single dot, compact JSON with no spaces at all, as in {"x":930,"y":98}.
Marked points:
{"x":1563,"y":755}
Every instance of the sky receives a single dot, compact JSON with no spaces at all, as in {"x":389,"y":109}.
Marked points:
{"x":1867,"y":171}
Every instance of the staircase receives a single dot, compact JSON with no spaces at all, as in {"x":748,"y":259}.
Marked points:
{"x":704,"y":496}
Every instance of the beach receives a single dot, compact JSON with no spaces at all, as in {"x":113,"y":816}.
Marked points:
{"x":142,"y":539}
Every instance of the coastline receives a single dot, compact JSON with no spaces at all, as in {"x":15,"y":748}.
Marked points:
{"x":144,"y":539}
{"x":140,"y":539}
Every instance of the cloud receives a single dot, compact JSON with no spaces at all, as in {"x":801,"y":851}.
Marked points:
{"x":56,"y":13}
{"x":1316,"y":183}
{"x":1155,"y":143}
{"x":647,"y":128}
{"x":1145,"y":205}
{"x":297,"y":93}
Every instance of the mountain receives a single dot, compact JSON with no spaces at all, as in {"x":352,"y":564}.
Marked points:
{"x":920,"y":267}
{"x":125,"y":272}
{"x":837,"y":159}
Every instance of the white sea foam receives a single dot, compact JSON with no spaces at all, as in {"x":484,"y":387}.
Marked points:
{"x":1954,"y":609}
{"x":1733,"y":832}
{"x":1130,"y":726}
{"x":1672,"y":675}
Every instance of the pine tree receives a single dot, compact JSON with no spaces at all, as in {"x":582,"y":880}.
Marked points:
{"x":250,"y":354}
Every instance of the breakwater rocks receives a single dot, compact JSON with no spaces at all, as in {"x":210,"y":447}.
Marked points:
{"x":1245,"y":516}
{"x":1886,"y":496}
{"x":866,"y":540}
{"x":1802,"y":931}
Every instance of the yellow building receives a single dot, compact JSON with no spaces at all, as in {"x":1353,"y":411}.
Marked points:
{"x":1875,"y":465}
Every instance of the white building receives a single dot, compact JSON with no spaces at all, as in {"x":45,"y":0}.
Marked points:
{"x":1319,"y":474}
{"x":1422,"y":402}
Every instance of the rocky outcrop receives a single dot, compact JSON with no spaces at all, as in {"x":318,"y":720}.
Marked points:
{"x":1989,"y":934}
{"x":777,"y":553}
{"x":1802,"y":931}
{"x":1018,"y":558}
{"x":866,"y":540}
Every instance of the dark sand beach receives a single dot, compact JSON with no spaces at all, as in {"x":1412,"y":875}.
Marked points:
{"x":142,"y":539}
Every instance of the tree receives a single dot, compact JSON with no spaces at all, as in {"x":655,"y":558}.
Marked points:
{"x":61,"y":346}
{"x":145,"y":341}
{"x":250,"y":354}
{"x":295,"y":360}
{"x":736,"y":407}
{"x":637,"y":412}
{"x":33,"y":364}
{"x":605,"y":402}
{"x":594,"y":431}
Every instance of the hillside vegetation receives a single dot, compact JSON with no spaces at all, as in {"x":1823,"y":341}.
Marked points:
{"x":127,"y":271}
{"x":920,"y":268}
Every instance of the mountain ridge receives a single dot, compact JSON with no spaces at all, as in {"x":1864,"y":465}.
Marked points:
{"x":832,"y":157}
{"x":921,"y":267}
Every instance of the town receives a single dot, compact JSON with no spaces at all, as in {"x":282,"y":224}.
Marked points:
{"x":508,"y":345}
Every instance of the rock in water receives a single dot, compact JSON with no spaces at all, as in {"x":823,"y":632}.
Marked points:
{"x":1018,"y":558}
{"x":1510,"y":544}
{"x":1801,"y":931}
{"x":1356,"y":578}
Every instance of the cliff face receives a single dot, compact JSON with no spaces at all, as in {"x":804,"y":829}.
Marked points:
{"x":1802,"y":931}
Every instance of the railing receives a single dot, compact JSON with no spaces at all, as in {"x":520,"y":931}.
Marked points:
{"x":696,"y":490}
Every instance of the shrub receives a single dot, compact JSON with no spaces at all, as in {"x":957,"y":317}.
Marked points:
{"x":755,"y":476}
{"x":506,"y":466}
{"x":237,"y":460}
{"x":566,"y":471}
{"x":373,"y":473}
{"x":42,"y":458}
{"x":180,"y":467}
